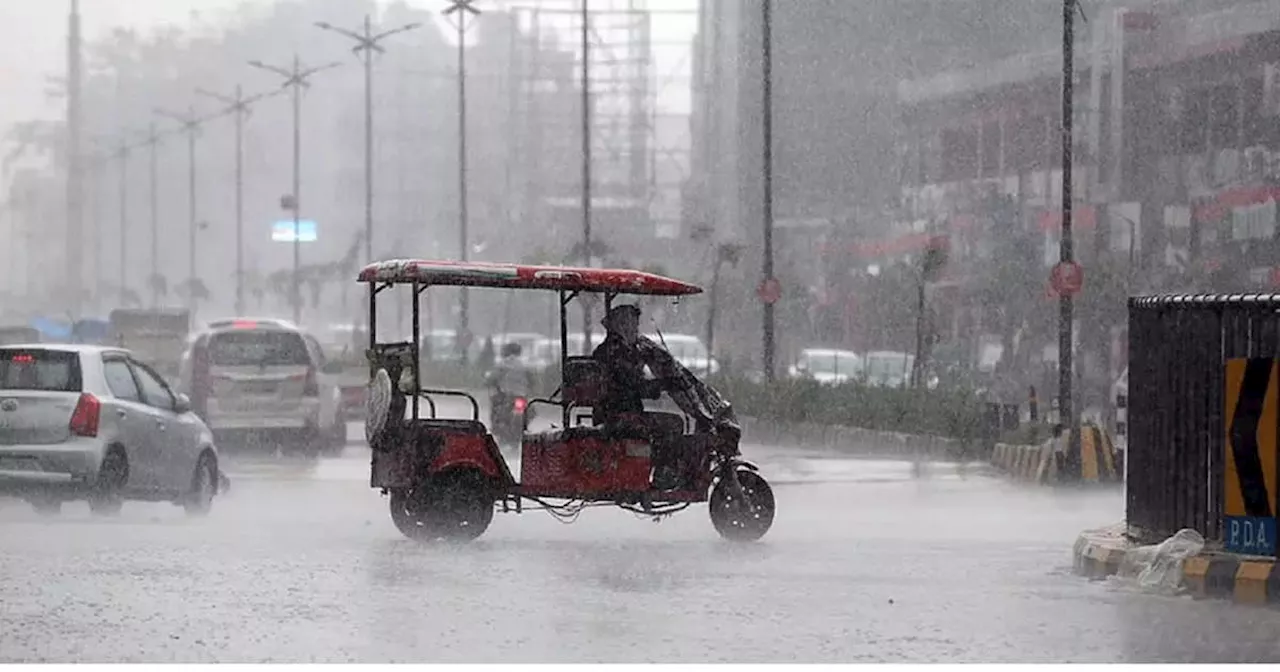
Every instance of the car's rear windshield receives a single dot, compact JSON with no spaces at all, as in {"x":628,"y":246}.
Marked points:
{"x":43,"y":370}
{"x":258,"y":348}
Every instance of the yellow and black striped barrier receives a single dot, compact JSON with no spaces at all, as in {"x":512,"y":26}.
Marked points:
{"x":1221,"y":576}
{"x":1050,"y":462}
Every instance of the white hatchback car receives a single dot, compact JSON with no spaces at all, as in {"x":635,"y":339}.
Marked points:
{"x":266,"y":376}
{"x":91,"y":422}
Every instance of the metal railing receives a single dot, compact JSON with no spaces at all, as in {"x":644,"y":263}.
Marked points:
{"x":1179,"y":349}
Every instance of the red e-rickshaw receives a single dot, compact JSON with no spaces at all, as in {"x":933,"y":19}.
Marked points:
{"x":447,"y":477}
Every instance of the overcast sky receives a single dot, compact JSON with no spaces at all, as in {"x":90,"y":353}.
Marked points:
{"x":33,"y":34}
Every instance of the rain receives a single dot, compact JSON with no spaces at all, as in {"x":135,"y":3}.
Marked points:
{"x":638,"y":331}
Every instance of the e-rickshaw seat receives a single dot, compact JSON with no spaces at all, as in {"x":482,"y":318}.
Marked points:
{"x":584,"y":382}
{"x":451,"y":425}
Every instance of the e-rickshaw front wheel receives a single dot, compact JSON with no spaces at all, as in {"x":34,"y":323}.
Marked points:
{"x":455,"y":506}
{"x":742,"y":514}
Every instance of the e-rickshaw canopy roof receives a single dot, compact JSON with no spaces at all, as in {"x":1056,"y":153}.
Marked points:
{"x":520,"y":276}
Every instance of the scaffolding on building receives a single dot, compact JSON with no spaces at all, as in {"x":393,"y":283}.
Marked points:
{"x":640,"y":148}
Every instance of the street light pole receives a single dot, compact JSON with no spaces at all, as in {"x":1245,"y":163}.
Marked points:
{"x":153,"y":141}
{"x":295,"y":79}
{"x":123,"y":156}
{"x":191,"y":126}
{"x":1066,"y":412}
{"x":586,"y":163}
{"x":238,"y":106}
{"x":462,"y":8}
{"x":367,"y":44}
{"x":75,"y":165}
{"x":767,"y":87}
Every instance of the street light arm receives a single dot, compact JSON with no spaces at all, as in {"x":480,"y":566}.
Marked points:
{"x":218,"y":96}
{"x":271,"y":68}
{"x":320,"y":68}
{"x":176,"y":116}
{"x":402,"y":29}
{"x":324,"y":25}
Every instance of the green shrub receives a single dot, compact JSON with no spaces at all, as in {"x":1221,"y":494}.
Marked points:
{"x":1027,"y":435}
{"x":949,"y":413}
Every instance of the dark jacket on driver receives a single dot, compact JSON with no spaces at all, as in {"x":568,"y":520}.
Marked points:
{"x":626,"y":387}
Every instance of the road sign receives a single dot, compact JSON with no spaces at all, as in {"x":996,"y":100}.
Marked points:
{"x":1067,"y":278}
{"x":283,"y":231}
{"x":1249,"y":479}
{"x":770,"y":291}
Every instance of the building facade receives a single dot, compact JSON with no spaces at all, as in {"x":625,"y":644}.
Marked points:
{"x":1174,"y":182}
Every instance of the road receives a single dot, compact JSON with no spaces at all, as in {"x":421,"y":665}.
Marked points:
{"x":868,"y":561}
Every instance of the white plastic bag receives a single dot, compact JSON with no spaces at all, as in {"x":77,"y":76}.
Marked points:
{"x":1158,"y":568}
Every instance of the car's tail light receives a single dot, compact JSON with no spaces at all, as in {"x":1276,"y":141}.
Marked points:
{"x":84,"y":420}
{"x":519,"y":405}
{"x":310,"y":387}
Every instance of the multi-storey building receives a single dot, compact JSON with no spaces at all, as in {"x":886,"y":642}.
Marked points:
{"x":1176,"y":126}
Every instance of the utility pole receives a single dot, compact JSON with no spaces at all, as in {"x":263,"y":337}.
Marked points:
{"x":153,"y":143}
{"x":366,"y":45}
{"x":123,"y":279}
{"x":190,"y":124}
{"x":1066,"y":412}
{"x":75,"y":171}
{"x":238,"y":106}
{"x":767,"y":271}
{"x":295,"y":79}
{"x":586,"y":165}
{"x":462,"y":8}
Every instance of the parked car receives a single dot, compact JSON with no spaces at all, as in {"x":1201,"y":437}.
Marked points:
{"x":266,"y":378}
{"x":93,"y":422}
{"x":887,"y":368}
{"x":828,"y":366}
{"x":690,"y":351}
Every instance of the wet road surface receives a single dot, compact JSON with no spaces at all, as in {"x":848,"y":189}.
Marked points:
{"x":867,"y":561}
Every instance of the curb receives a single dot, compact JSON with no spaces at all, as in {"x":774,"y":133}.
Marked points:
{"x":1098,"y":554}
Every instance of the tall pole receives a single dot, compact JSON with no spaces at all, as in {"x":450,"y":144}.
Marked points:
{"x":295,"y":79}
{"x":1066,"y":313}
{"x":240,"y":112}
{"x":367,"y":42}
{"x":75,"y":173}
{"x":586,"y":163}
{"x":192,"y":224}
{"x":238,"y":105}
{"x":767,"y":88}
{"x":153,"y":140}
{"x":368,"y":141}
{"x":297,"y":195}
{"x":464,"y":298}
{"x":122,"y":280}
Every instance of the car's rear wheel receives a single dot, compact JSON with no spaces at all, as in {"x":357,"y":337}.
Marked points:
{"x":336,"y":438}
{"x":107,"y":496}
{"x":203,"y":487}
{"x":46,"y":505}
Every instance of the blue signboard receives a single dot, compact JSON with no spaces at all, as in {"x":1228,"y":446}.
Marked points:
{"x":1251,"y":535}
{"x":282,"y":232}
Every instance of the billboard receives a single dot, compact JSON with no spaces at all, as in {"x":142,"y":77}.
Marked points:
{"x":282,"y":231}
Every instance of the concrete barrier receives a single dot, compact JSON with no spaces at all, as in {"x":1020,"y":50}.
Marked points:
{"x":1099,"y":461}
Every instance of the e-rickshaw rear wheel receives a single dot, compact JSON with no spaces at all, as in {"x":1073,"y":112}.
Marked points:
{"x":455,"y":505}
{"x":745,"y":519}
